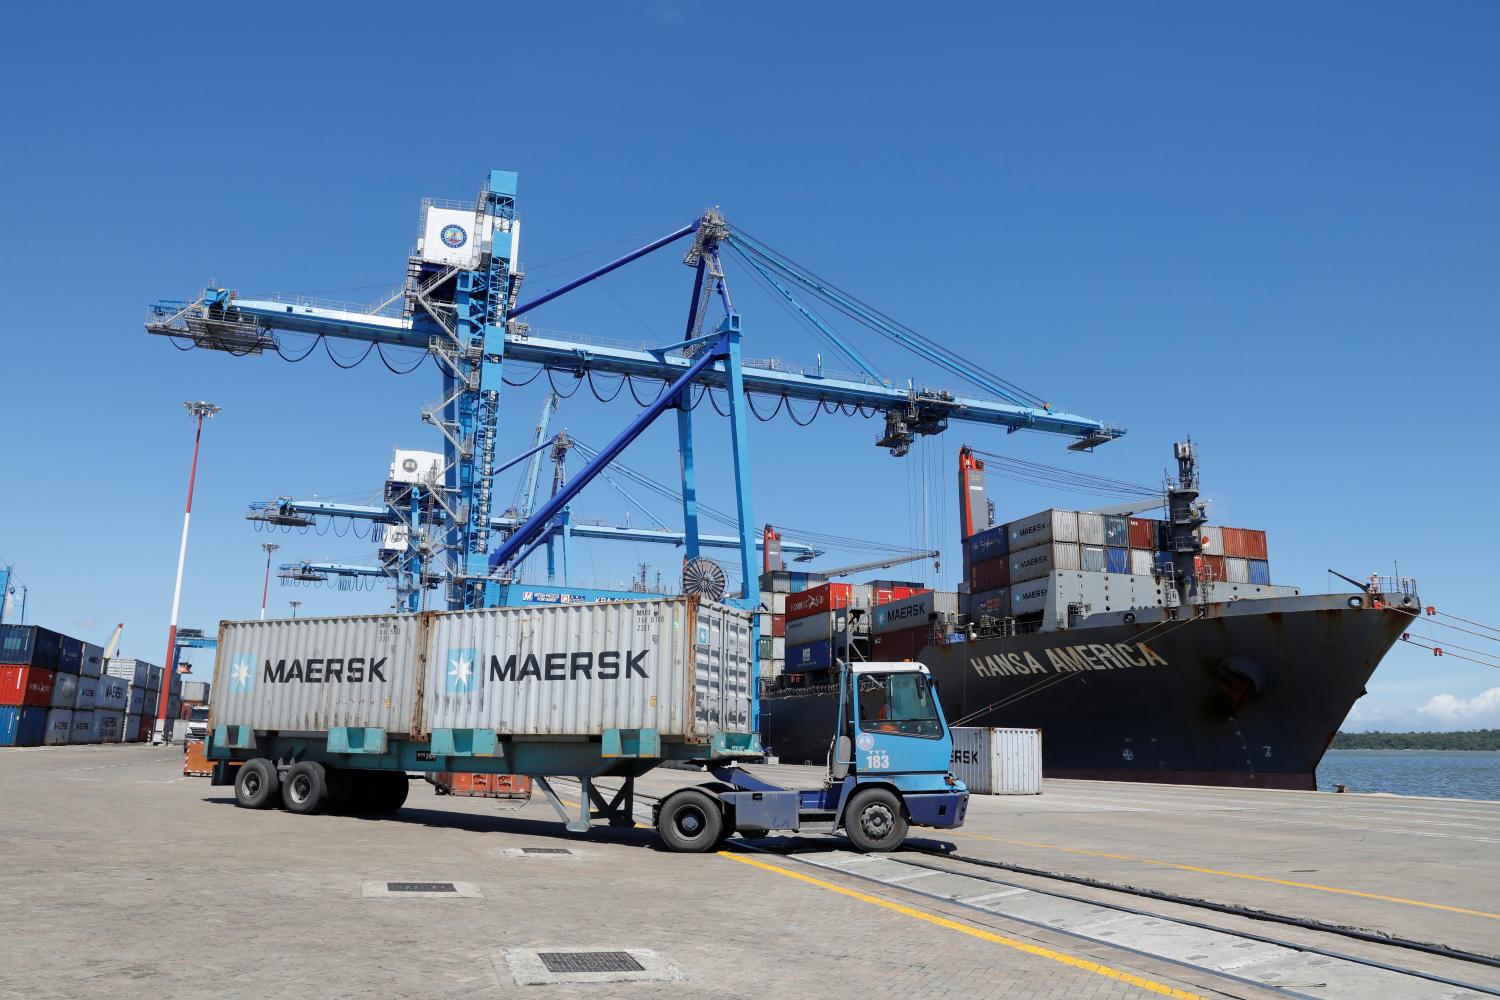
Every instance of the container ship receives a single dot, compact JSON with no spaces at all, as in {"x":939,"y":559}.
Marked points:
{"x":1144,"y":649}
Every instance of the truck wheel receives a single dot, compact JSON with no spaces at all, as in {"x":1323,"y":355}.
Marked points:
{"x":691,"y":822}
{"x":874,"y":822}
{"x":257,"y":785}
{"x":305,"y":789}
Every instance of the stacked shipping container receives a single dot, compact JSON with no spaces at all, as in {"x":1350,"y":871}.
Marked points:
{"x":57,"y":690}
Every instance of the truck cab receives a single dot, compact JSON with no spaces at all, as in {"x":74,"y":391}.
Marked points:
{"x":887,"y":771}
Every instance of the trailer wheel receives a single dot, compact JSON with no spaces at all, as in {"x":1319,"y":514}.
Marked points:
{"x":305,"y":789}
{"x":387,"y":791}
{"x":691,"y":822}
{"x":256,"y":785}
{"x":874,"y":822}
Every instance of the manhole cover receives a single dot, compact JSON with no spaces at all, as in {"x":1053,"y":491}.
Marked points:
{"x":545,"y":850}
{"x":589,"y":961}
{"x":420,"y":887}
{"x":420,"y":890}
{"x":541,"y":852}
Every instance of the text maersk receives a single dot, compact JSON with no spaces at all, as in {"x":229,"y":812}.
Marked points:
{"x":353,"y":670}
{"x":549,"y":666}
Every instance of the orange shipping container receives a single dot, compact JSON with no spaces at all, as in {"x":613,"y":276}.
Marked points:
{"x":484,"y":786}
{"x":1142,"y":533}
{"x":778,"y":626}
{"x":1245,"y":543}
{"x":820,"y":599}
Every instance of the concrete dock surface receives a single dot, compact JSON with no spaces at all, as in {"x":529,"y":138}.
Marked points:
{"x":123,"y":878}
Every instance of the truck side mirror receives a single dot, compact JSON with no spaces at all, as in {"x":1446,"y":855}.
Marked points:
{"x":838,"y":768}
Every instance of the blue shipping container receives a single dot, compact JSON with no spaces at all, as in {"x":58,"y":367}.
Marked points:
{"x":22,"y":726}
{"x":69,"y":655}
{"x":30,"y":646}
{"x":1117,"y":532}
{"x":1116,"y":559}
{"x":1164,"y":562}
{"x":992,"y":543}
{"x":1260,"y":572}
{"x":813,"y":656}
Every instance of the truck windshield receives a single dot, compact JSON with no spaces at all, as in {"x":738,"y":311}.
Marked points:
{"x":198,"y":715}
{"x":898,"y":703}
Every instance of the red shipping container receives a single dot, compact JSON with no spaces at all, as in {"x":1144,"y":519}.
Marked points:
{"x":1212,"y":568}
{"x":825,"y":597}
{"x":31,"y":686}
{"x":1143,"y":533}
{"x":906,"y":644}
{"x":888,"y":594}
{"x":778,"y":626}
{"x":1245,"y":543}
{"x":992,"y":574}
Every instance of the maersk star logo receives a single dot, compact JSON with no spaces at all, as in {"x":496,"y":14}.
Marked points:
{"x":462,"y":667}
{"x":242,"y":672}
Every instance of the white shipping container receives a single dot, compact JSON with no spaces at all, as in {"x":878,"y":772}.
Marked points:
{"x":59,"y":727}
{"x":135,"y":671}
{"x":679,"y":666}
{"x":308,"y":675}
{"x":64,"y":690}
{"x":92,"y":664}
{"x":112,"y":694}
{"x":194,"y":690}
{"x":1142,"y":562}
{"x":778,"y":604}
{"x":1237,"y":570}
{"x":1040,"y":560}
{"x":1048,"y":526}
{"x":86,"y":693}
{"x":909,"y":612}
{"x":998,"y":761}
{"x":110,"y":725}
{"x":1212,"y":536}
{"x":1090,"y":528}
{"x":813,"y":628}
{"x":83,"y":727}
{"x":778,"y":647}
{"x":1031,"y":596}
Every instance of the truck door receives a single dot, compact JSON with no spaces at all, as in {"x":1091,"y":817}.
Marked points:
{"x":899,"y":727}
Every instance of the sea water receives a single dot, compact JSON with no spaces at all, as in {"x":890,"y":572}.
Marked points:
{"x":1451,"y":774}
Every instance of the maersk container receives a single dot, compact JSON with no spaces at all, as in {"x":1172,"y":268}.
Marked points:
{"x":1032,"y":596}
{"x":998,"y":761}
{"x":912,"y":612}
{"x":307,"y":675}
{"x":29,"y":646}
{"x":112,"y":695}
{"x":84,"y":729}
{"x":1116,"y":559}
{"x":134,"y":671}
{"x":110,"y":725}
{"x":64,"y":690}
{"x":1039,"y":560}
{"x":59,"y":727}
{"x":1142,"y":562}
{"x":87,"y":693}
{"x":679,"y":666}
{"x":1048,"y":526}
{"x":1092,"y":558}
{"x":1090,"y":528}
{"x":91,"y":664}
{"x":22,"y":725}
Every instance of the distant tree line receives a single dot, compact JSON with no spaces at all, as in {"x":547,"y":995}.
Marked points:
{"x":1474,"y":739}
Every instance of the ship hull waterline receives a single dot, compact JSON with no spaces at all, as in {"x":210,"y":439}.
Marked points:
{"x":1237,"y":699}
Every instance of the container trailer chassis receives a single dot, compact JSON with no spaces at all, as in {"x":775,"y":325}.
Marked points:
{"x":888,"y":771}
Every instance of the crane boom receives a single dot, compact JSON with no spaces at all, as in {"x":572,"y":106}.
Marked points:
{"x":878,"y":564}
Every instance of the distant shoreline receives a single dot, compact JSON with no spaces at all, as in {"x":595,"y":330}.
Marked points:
{"x":1413,"y":750}
{"x":1470,"y":740}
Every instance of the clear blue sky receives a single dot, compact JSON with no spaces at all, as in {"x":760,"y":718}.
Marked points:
{"x":1276,"y":228}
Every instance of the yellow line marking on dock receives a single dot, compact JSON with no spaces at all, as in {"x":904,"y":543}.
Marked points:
{"x":1152,"y":986}
{"x":1253,"y":878}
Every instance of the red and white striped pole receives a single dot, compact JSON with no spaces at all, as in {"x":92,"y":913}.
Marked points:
{"x":199,"y":410}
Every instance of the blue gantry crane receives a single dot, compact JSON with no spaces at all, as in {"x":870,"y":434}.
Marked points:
{"x":461,"y":304}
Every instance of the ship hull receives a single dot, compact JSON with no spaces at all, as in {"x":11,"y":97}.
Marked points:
{"x":1243,"y":696}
